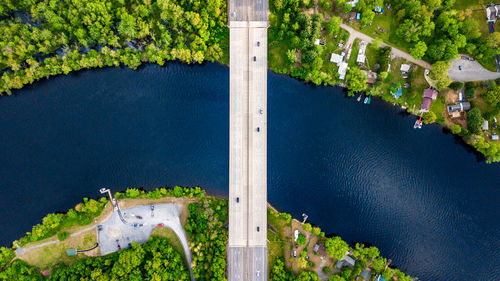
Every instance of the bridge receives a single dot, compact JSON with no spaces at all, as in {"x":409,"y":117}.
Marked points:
{"x":247,"y":246}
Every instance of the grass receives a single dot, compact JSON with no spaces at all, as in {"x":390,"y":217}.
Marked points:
{"x":171,"y":237}
{"x":354,"y":53}
{"x":44,"y":257}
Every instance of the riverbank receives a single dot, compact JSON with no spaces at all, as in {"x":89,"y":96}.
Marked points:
{"x":312,"y":255}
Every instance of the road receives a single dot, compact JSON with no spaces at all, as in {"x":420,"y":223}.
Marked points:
{"x":247,"y":245}
{"x":114,"y":232}
{"x":395,"y":51}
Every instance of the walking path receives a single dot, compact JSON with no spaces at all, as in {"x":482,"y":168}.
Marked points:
{"x":20,"y":251}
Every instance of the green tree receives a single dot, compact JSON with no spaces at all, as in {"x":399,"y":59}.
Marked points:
{"x":291,"y":56}
{"x":336,"y":247}
{"x":474,"y":121}
{"x":456,"y":129}
{"x":439,"y":74}
{"x":429,"y":117}
{"x":333,"y":25}
{"x":492,"y":95}
{"x":336,"y":278}
{"x":347,"y":8}
{"x":418,"y":50}
{"x":356,"y":81}
{"x":307,"y":227}
{"x":301,"y":240}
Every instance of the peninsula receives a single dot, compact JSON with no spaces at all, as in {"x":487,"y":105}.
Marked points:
{"x":177,"y":234}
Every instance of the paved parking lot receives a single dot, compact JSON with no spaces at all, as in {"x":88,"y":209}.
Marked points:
{"x":117,"y":232}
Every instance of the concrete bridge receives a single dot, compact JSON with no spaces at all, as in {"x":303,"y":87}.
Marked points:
{"x":247,"y":247}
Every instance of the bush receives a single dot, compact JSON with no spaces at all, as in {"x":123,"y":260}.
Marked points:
{"x":325,"y":269}
{"x":6,"y":255}
{"x":469,"y":93}
{"x":457,"y":85}
{"x":307,"y":227}
{"x":301,"y":240}
{"x":456,"y":129}
{"x":62,"y":235}
{"x":429,"y":117}
{"x":474,"y":121}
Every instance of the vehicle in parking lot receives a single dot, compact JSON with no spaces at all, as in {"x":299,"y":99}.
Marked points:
{"x":99,"y":227}
{"x":160,"y":225}
{"x":152,"y":207}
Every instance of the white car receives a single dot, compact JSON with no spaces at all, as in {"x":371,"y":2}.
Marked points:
{"x":426,"y":72}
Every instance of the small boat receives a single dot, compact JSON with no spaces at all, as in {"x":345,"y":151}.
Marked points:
{"x":418,"y":123}
{"x":366,"y":100}
{"x":359,"y":98}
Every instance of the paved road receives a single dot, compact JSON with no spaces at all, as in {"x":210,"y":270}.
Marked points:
{"x":395,"y":51}
{"x":20,"y":251}
{"x":115,"y":232}
{"x":471,"y":71}
{"x":247,"y":245}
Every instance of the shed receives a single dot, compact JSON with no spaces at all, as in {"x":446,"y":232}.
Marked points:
{"x":358,"y":16}
{"x":342,"y":70}
{"x":317,"y":41}
{"x":71,"y":252}
{"x":296,"y":234}
{"x":494,"y":137}
{"x":336,"y":58}
{"x":316,"y":248}
{"x":366,"y":274}
{"x":348,"y":260}
{"x":485,"y":125}
{"x":405,"y":67}
{"x":430,"y":93}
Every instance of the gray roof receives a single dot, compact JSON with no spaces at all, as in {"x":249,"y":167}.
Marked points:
{"x":366,"y":274}
{"x":494,"y":137}
{"x":459,"y":106}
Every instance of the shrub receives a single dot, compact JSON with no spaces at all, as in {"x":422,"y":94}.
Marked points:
{"x":62,"y":235}
{"x":301,"y":240}
{"x":474,"y":121}
{"x":457,"y":85}
{"x":325,"y":269}
{"x":470,"y":92}
{"x":456,"y":129}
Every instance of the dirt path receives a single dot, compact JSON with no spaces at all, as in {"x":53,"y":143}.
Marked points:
{"x":395,"y":51}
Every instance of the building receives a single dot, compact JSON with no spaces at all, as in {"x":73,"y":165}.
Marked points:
{"x":346,"y":261}
{"x":404,"y":70}
{"x":494,"y":137}
{"x":296,"y":234}
{"x":361,"y":53}
{"x":342,"y":70}
{"x":365,"y":274}
{"x":429,"y":95}
{"x":461,"y":106}
{"x":335,"y":58}
{"x":485,"y":125}
{"x":492,"y":12}
{"x":371,"y":77}
{"x":316,"y":247}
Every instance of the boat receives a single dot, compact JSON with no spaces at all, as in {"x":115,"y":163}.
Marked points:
{"x":418,"y":123}
{"x":368,"y":99}
{"x":359,"y":98}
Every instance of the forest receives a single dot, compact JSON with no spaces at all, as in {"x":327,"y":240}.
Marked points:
{"x":42,"y":38}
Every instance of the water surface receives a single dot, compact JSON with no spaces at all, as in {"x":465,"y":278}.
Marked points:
{"x":360,"y":171}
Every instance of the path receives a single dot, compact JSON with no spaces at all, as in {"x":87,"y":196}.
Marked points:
{"x":20,"y":251}
{"x":395,"y":51}
{"x":115,"y":233}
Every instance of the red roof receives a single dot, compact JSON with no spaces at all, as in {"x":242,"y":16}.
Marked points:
{"x":426,"y":104}
{"x":430,"y":93}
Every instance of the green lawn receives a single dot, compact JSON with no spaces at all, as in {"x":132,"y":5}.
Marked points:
{"x":354,"y":53}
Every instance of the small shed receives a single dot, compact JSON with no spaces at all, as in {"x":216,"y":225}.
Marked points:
{"x":358,"y":16}
{"x":71,"y":252}
{"x":485,"y":125}
{"x":365,"y":274}
{"x":335,"y":58}
{"x":316,"y":248}
{"x":405,"y":67}
{"x":494,"y":137}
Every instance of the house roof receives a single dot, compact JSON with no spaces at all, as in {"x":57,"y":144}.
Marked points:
{"x":366,"y":274}
{"x":485,"y":125}
{"x":335,"y":58}
{"x":430,"y":93}
{"x":426,"y":104}
{"x":405,"y":67}
{"x":494,"y":137}
{"x":459,"y":106}
{"x":342,"y":70}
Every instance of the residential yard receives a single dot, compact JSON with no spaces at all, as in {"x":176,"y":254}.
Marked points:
{"x":354,"y":53}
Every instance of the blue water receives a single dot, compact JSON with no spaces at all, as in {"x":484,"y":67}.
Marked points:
{"x":359,"y":171}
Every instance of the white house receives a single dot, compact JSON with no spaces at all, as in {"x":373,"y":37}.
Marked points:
{"x":405,"y":67}
{"x":361,"y":53}
{"x":342,"y":70}
{"x":336,"y":58}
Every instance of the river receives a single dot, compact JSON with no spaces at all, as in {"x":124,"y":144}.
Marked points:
{"x":359,"y":171}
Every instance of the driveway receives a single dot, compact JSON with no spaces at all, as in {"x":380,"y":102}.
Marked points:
{"x":395,"y":51}
{"x":115,"y":232}
{"x":471,"y":71}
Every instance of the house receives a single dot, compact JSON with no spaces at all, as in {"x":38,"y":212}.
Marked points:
{"x":335,"y":58}
{"x":398,"y":93}
{"x":494,"y":137}
{"x":365,"y":274}
{"x":492,"y":12}
{"x":430,"y":93}
{"x":485,"y":125}
{"x":316,"y":248}
{"x":361,"y":53}
{"x":342,"y":70}
{"x":345,"y":261}
{"x":371,"y":77}
{"x":461,"y":106}
{"x":426,"y":105}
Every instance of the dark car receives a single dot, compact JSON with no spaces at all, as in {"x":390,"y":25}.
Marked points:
{"x":139,"y":217}
{"x":99,"y":227}
{"x":119,"y":248}
{"x":130,"y":245}
{"x":258,"y":44}
{"x":152,"y":207}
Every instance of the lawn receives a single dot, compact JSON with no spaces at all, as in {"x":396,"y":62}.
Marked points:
{"x":44,"y":257}
{"x":171,"y":237}
{"x":354,"y":53}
